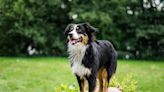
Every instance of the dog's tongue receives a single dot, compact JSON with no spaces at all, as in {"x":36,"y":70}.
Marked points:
{"x":72,"y":42}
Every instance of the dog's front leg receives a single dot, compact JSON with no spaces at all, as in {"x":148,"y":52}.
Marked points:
{"x":81,"y":83}
{"x":92,"y":83}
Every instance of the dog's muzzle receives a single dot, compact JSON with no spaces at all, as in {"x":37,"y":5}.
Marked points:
{"x":73,"y":41}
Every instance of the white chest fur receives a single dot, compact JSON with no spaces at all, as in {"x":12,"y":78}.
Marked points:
{"x":76,"y":54}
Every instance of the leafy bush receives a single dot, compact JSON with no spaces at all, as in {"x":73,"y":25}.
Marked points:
{"x":135,"y":31}
{"x":38,"y":22}
{"x":128,"y":84}
{"x":66,"y":88}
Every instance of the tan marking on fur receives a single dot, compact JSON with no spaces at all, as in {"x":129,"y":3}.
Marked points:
{"x":99,"y":80}
{"x":84,"y":38}
{"x":105,"y":80}
{"x":83,"y":86}
{"x":68,"y":37}
{"x":102,"y":82}
{"x":94,"y":39}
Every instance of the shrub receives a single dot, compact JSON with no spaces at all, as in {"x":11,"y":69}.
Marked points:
{"x":128,"y":84}
{"x":66,"y":88}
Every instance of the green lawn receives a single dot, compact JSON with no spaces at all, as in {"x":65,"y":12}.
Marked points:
{"x":43,"y":74}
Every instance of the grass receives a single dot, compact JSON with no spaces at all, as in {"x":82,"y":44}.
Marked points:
{"x":43,"y":74}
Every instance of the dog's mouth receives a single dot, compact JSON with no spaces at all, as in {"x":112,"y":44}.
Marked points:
{"x":75,"y":41}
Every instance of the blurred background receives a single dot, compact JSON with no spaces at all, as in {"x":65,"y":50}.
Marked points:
{"x":33,"y":47}
{"x":35,"y":27}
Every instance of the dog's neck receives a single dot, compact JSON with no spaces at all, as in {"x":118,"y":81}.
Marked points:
{"x":76,"y":52}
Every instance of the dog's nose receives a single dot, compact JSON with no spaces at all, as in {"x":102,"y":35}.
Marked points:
{"x":70,"y":35}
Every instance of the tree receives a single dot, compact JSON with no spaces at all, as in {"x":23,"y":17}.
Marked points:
{"x":135,"y":27}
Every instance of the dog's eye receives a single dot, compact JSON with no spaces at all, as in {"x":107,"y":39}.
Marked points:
{"x":77,"y":28}
{"x":71,"y":29}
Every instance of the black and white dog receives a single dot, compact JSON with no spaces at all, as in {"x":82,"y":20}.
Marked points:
{"x":92,"y":60}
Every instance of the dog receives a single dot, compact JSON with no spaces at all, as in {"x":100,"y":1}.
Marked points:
{"x":91,"y":60}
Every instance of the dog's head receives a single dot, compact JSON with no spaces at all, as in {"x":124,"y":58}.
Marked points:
{"x":80,"y":33}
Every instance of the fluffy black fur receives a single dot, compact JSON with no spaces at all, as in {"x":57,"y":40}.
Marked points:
{"x":100,"y":53}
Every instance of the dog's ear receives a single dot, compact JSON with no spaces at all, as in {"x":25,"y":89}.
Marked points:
{"x":90,"y":28}
{"x":67,"y":29}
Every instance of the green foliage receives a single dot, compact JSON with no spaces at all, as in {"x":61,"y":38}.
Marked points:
{"x":66,"y":88}
{"x":128,"y":84}
{"x":123,"y":22}
{"x":39,"y":22}
{"x":135,"y":30}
